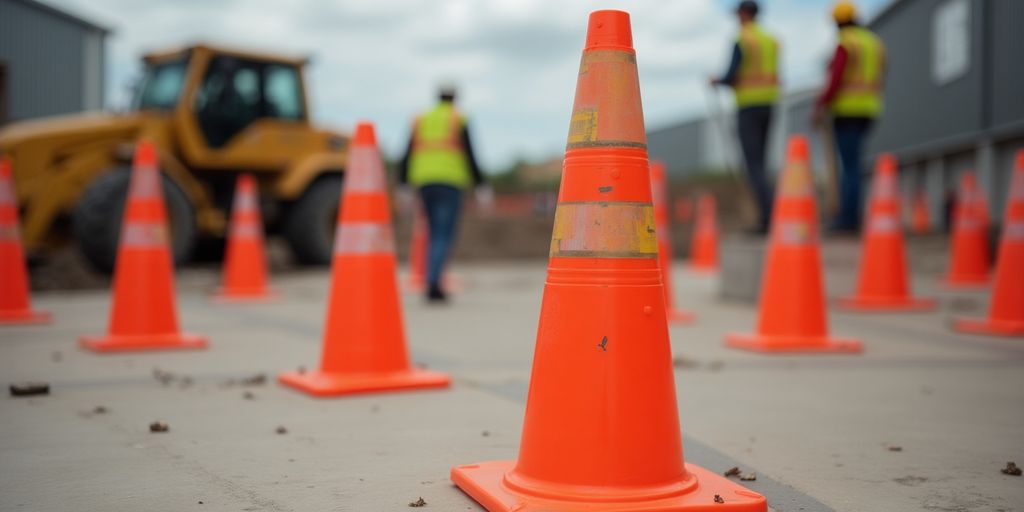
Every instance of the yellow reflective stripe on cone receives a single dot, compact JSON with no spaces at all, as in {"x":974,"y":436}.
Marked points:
{"x":604,"y":230}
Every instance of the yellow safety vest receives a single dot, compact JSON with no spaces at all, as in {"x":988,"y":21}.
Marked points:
{"x":860,"y":92}
{"x":757,"y":80}
{"x":437,"y":153}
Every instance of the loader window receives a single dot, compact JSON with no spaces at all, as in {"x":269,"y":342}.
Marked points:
{"x":228,"y":99}
{"x":162,"y":85}
{"x":283,"y":92}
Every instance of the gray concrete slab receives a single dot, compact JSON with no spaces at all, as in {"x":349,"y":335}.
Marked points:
{"x":817,"y":429}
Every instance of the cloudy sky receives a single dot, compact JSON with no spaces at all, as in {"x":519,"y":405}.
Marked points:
{"x":514,"y":60}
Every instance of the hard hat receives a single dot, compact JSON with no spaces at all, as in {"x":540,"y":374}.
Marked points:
{"x":844,"y":12}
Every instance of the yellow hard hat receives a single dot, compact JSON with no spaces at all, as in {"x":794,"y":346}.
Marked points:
{"x":844,"y":12}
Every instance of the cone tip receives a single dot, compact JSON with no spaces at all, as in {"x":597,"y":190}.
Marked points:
{"x":364,"y":135}
{"x":5,"y":167}
{"x":145,"y":153}
{"x":657,"y":168}
{"x":887,"y":163}
{"x":609,"y":28}
{"x":798,"y":149}
{"x":1020,"y":160}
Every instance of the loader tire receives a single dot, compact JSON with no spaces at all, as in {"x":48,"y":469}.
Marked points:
{"x":310,"y":222}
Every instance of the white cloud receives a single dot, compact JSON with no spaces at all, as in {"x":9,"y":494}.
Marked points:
{"x":515,"y":60}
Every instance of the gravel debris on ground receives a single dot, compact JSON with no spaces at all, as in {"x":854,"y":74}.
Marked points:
{"x":281,"y":430}
{"x":733,"y":471}
{"x":1011,"y":469}
{"x":30,"y":388}
{"x":418,"y":503}
{"x":895,"y":448}
{"x":748,"y":477}
{"x":159,"y":426}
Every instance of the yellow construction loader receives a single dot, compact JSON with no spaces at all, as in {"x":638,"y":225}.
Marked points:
{"x":213,"y":113}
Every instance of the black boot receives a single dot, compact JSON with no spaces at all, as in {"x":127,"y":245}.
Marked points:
{"x":436,"y":294}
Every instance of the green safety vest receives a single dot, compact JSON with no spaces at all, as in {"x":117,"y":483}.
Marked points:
{"x":437,"y":153}
{"x":757,"y":80}
{"x":860,"y":92}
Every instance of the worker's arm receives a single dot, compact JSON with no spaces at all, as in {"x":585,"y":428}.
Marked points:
{"x":729,"y":78}
{"x":474,"y":169}
{"x":403,"y":166}
{"x":835,"y":78}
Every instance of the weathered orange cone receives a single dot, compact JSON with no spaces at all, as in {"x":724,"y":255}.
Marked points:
{"x":245,"y":261}
{"x":792,"y":303}
{"x":920,"y":220}
{"x":364,"y":344}
{"x":883,"y":284}
{"x":142,"y":314}
{"x":418,"y":248}
{"x":969,"y":256}
{"x":704,"y":243}
{"x":659,"y":195}
{"x":1006,"y":311}
{"x":15,"y":301}
{"x":602,"y":428}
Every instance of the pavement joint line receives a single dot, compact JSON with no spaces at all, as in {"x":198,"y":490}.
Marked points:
{"x":781,"y":497}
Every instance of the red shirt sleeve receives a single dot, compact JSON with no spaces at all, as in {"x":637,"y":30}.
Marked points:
{"x":835,"y":77}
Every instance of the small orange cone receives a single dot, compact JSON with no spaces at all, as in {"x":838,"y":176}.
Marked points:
{"x":1006,"y":311}
{"x":704,"y":243}
{"x":683,"y":208}
{"x":920,"y":220}
{"x":792,"y":303}
{"x":601,"y":431}
{"x":659,"y":195}
{"x":969,"y":256}
{"x":883,"y":284}
{"x":15,"y":301}
{"x":364,"y":344}
{"x":245,"y":260}
{"x":142,"y":313}
{"x":419,"y":245}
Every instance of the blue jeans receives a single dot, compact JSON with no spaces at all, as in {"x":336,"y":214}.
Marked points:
{"x":752,"y":124}
{"x":442,"y":204}
{"x":850,"y":133}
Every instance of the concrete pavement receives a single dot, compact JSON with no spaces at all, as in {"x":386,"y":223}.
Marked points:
{"x":819,"y":430}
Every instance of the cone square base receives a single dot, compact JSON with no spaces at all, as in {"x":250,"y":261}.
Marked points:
{"x":882,"y":304}
{"x":988,"y":326}
{"x":25,"y":317}
{"x":964,"y":283}
{"x":484,"y":483}
{"x":680,"y":317}
{"x":225,"y":296}
{"x":322,"y":384}
{"x":112,"y":343}
{"x":793,"y":345}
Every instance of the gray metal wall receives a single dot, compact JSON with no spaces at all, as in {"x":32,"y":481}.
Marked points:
{"x":680,"y":146}
{"x":1006,"y":96}
{"x":45,"y":54}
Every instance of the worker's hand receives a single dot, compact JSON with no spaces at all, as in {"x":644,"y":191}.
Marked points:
{"x":713,"y":81}
{"x":404,"y":199}
{"x":818,"y":116}
{"x":485,"y":198}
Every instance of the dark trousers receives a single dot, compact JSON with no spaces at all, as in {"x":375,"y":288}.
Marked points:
{"x":752,"y":124}
{"x":442,"y":204}
{"x":850,"y":133}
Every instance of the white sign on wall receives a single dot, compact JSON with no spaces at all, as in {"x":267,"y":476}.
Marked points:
{"x":951,"y":41}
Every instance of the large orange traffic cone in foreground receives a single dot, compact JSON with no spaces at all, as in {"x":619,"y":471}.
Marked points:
{"x":1006,"y":311}
{"x":920,"y":220}
{"x":792,"y":303}
{"x":364,"y":344}
{"x":142,"y":314}
{"x":704,"y":243}
{"x":602,"y":429}
{"x":15,"y":303}
{"x":969,"y":255}
{"x":245,"y":261}
{"x":883,"y":284}
{"x":659,"y":196}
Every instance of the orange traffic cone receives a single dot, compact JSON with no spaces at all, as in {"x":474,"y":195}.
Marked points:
{"x":792,"y":306}
{"x":245,"y":261}
{"x":142,"y":313}
{"x":969,"y":258}
{"x":704,"y":243}
{"x":418,"y":247}
{"x":15,"y":302}
{"x":920,"y":220}
{"x":883,"y":282}
{"x":364,"y":345}
{"x":601,"y":431}
{"x":1006,"y":311}
{"x":683,"y":209}
{"x":659,"y":195}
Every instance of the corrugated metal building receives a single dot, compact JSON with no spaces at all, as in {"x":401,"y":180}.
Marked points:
{"x":51,"y":62}
{"x":954,"y":99}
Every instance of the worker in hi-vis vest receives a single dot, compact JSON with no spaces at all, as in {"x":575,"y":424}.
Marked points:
{"x":853,"y":97}
{"x":439,"y":162}
{"x":754,"y":78}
